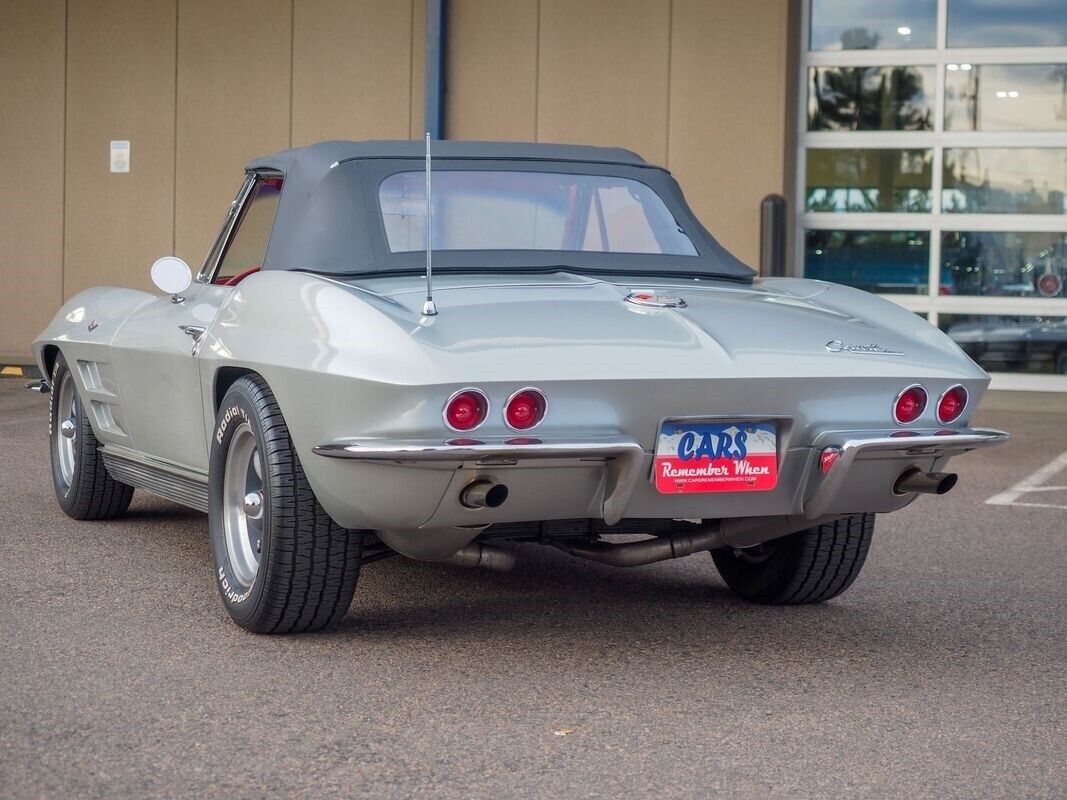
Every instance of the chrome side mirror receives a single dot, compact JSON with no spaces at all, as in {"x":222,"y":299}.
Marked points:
{"x":172,"y":276}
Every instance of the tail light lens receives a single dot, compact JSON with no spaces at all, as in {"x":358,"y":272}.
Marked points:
{"x":951,"y":404}
{"x":466,"y":410}
{"x":910,"y":405}
{"x":525,"y":409}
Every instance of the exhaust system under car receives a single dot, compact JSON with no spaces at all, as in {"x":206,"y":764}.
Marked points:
{"x":736,"y":533}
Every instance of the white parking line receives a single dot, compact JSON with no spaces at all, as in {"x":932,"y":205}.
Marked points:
{"x":1033,"y":483}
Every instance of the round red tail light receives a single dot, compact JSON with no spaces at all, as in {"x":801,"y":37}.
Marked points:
{"x":910,"y":405}
{"x":525,"y":409}
{"x":950,"y":406}
{"x":466,"y":410}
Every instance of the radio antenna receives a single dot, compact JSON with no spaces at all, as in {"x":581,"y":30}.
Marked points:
{"x":429,"y":308}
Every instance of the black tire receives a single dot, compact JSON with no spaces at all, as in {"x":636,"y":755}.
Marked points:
{"x":809,"y":566}
{"x":83,"y":487}
{"x":307,"y":564}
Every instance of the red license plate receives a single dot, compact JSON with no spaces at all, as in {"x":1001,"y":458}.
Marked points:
{"x":716,"y":457}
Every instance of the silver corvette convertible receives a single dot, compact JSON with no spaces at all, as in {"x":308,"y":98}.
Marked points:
{"x":520,"y":343}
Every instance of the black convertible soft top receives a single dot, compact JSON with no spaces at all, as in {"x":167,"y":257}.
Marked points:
{"x":328,"y":218}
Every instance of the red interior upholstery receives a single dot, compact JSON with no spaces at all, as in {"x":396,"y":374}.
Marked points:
{"x":236,"y":279}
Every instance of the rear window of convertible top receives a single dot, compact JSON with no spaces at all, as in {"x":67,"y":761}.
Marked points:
{"x":513,"y":210}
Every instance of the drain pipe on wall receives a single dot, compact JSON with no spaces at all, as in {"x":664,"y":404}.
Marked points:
{"x":436,"y":12}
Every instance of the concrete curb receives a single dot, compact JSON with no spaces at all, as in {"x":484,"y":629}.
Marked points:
{"x":19,"y":371}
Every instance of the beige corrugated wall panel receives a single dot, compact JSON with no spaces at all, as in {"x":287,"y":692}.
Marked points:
{"x":603,"y":73}
{"x":234,"y":62}
{"x":729,"y":77}
{"x":351,"y":70}
{"x":492,"y":70}
{"x":31,"y":140}
{"x":120,"y":85}
{"x":417,"y":127}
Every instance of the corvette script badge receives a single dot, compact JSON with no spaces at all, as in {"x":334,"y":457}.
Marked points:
{"x":837,"y":346}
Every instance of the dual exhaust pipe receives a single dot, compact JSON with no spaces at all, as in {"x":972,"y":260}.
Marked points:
{"x":487,"y":493}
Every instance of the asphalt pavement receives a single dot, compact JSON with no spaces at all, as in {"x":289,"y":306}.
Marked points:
{"x":941,"y":673}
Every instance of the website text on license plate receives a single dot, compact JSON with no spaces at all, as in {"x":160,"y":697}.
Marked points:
{"x":716,"y":457}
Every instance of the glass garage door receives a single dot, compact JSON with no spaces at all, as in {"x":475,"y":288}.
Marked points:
{"x":933,"y":169}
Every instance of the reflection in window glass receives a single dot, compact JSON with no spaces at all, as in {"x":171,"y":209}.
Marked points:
{"x":249,"y":243}
{"x":1010,"y":344}
{"x":1005,"y":181}
{"x":1006,"y":97}
{"x":889,"y":262}
{"x":512,"y":210}
{"x":1027,"y":23}
{"x":868,"y":180}
{"x":872,"y":24}
{"x":870,"y":98}
{"x":1005,"y":264}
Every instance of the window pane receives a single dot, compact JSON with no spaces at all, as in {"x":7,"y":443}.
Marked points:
{"x":890,"y":262}
{"x":249,"y":242}
{"x":510,"y":210}
{"x":977,"y":23}
{"x":872,"y":24}
{"x":1004,"y":264}
{"x":1005,"y":181}
{"x":868,"y":180}
{"x":1010,"y":344}
{"x":870,"y":98}
{"x":1006,"y":97}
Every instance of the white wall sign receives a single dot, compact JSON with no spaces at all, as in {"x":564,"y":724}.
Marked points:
{"x":120,"y":156}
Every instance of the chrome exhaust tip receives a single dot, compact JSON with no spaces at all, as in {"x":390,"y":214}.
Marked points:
{"x":483,"y":493}
{"x":39,"y":386}
{"x":915,"y":480}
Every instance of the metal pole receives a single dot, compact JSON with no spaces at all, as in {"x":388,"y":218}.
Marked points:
{"x":772,"y":236}
{"x":435,"y":68}
{"x":429,"y":308}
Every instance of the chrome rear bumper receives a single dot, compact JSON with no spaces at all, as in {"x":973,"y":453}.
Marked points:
{"x":626,"y":463}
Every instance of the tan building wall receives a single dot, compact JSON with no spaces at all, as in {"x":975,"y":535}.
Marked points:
{"x":200,"y":87}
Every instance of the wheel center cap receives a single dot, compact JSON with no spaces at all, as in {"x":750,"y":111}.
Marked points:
{"x":253,"y":505}
{"x":66,"y":427}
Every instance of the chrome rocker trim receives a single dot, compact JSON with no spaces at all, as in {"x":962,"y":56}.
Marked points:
{"x":624,"y":458}
{"x":940,"y":443}
{"x":171,"y":481}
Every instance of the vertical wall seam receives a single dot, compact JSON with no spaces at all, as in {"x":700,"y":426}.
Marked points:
{"x":63,"y":168}
{"x":411,"y":72}
{"x":174,"y":167}
{"x":670,"y":69}
{"x":292,"y":63}
{"x":537,"y":77}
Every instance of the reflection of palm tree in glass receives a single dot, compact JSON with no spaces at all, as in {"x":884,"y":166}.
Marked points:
{"x":859,"y":39}
{"x":868,"y":98}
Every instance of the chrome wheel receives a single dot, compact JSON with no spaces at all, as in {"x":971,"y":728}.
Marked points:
{"x":242,"y":505}
{"x":66,"y":432}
